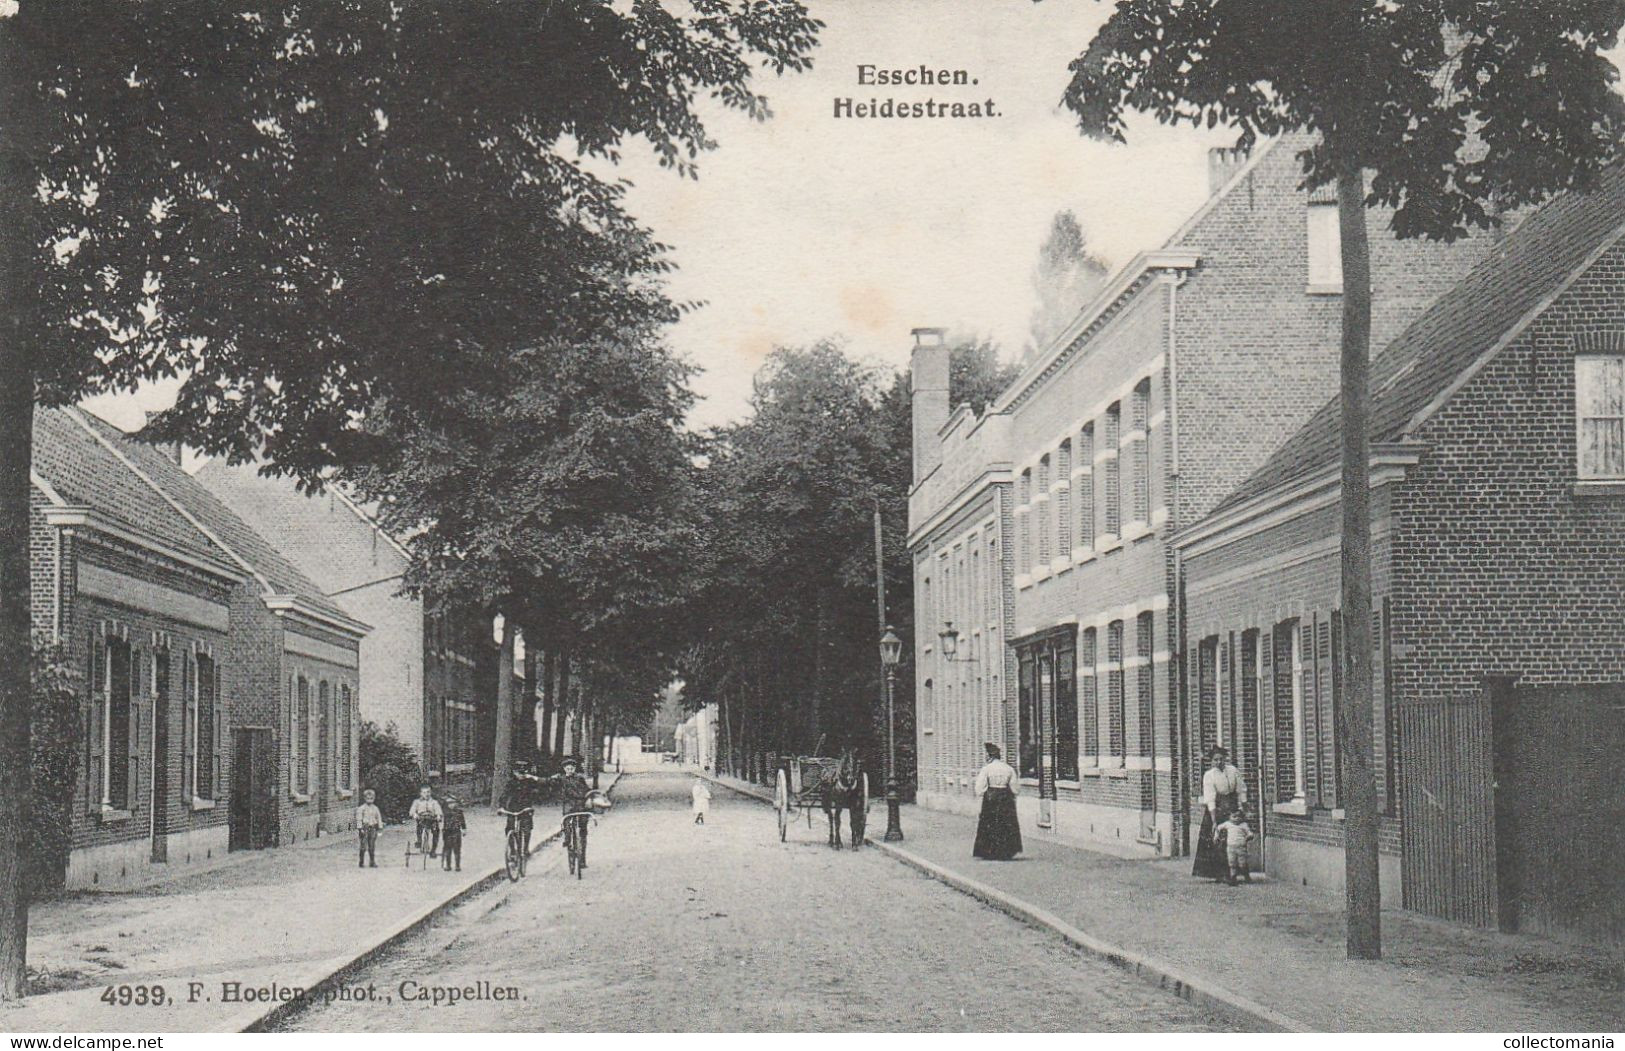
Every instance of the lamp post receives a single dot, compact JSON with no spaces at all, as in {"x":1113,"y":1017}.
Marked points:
{"x":891,"y":651}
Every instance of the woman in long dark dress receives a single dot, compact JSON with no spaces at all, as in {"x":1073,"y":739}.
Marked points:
{"x":1222,"y":791}
{"x":998,"y":834}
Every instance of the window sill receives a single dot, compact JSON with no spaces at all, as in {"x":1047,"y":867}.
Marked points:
{"x":298,"y":798}
{"x":927,"y":732}
{"x":1595,"y":487}
{"x":202,"y":804}
{"x":1296,"y":807}
{"x":1324,"y":290}
{"x":1090,"y":771}
{"x":1135,"y":530}
{"x":1023,"y":581}
{"x":1080,"y":555}
{"x":346,"y":793}
{"x":1060,"y":565}
{"x":1029,"y":782}
{"x":1041,"y":573}
{"x":111,"y":816}
{"x":1107,"y":545}
{"x":1118,"y":772}
{"x":1065,"y":783}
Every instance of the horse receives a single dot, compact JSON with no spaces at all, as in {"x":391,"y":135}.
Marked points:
{"x":842,"y":790}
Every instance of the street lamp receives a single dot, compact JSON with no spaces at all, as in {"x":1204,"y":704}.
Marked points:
{"x":891,"y":651}
{"x":950,"y":645}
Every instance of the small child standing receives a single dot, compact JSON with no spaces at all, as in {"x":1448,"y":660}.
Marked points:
{"x":453,"y":824}
{"x":426,"y":812}
{"x":368,"y":820}
{"x":702,"y":800}
{"x":1235,"y":834}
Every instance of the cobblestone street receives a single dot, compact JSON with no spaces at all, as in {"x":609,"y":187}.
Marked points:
{"x":721,"y":927}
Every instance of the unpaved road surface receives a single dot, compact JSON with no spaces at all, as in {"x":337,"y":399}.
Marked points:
{"x":724,"y":928}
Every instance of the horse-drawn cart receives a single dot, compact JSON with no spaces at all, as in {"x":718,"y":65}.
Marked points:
{"x":811,"y":783}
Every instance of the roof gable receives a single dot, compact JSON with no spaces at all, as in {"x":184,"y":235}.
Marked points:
{"x":224,"y":529}
{"x":1413,"y":376}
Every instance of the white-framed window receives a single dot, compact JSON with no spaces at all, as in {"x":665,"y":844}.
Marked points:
{"x":1599,"y":407}
{"x":203,"y":717}
{"x":1325,"y":248}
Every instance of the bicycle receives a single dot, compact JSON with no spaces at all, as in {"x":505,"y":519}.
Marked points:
{"x":575,"y":840}
{"x":515,"y":853}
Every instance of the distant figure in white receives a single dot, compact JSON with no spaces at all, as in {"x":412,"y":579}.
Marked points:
{"x":702,"y":800}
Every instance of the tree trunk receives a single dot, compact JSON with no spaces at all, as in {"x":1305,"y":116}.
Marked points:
{"x":502,"y":754}
{"x":17,"y":373}
{"x":549,"y":665}
{"x":562,"y":703}
{"x":1363,"y":896}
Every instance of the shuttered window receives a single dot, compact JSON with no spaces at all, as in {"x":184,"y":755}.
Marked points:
{"x":205,"y":722}
{"x":1063,"y":500}
{"x":301,"y":738}
{"x":1085,"y":487}
{"x":1115,"y":716}
{"x":1138,"y":473}
{"x":1042,"y":511}
{"x":1089,"y":698}
{"x":1113,"y":488}
{"x":120,"y":726}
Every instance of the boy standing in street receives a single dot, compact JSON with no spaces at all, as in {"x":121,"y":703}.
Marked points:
{"x":368,"y":820}
{"x":453,"y":824}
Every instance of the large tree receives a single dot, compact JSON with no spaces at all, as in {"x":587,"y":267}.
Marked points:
{"x":303,"y":211}
{"x":1445,"y":111}
{"x":1066,"y":277}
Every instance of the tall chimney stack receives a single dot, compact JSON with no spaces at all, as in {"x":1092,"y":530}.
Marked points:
{"x":928,"y":385}
{"x":1223,"y":162}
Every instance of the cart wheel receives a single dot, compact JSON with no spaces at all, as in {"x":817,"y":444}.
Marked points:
{"x":863,"y":786}
{"x":781,"y":803}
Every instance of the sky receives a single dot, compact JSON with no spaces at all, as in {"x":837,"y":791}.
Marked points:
{"x":808,"y":225}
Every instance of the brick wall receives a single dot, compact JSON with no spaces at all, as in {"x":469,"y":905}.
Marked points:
{"x":1501,"y":568}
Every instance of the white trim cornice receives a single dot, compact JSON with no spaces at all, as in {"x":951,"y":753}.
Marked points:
{"x":1389,"y":464}
{"x":298,"y":608}
{"x":95,"y":521}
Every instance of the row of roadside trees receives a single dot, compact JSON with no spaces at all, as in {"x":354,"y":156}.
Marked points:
{"x":367,"y":243}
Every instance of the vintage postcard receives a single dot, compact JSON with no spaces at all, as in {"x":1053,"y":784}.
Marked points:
{"x":812,"y":516}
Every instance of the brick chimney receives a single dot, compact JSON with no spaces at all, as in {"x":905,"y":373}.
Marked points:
{"x":1223,"y":162}
{"x":928,"y":385}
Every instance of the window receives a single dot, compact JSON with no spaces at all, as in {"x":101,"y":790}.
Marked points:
{"x":1147,"y":676}
{"x":114,"y":736}
{"x":1139,"y":471}
{"x":1024,"y":557}
{"x":1066,"y":711}
{"x":1599,"y":400}
{"x":205,"y":714}
{"x":1114,"y":494}
{"x":1325,"y":248}
{"x":1207,"y":700}
{"x":1115,"y":722}
{"x":1063,"y":499}
{"x":300,"y":746}
{"x":1027,"y":759}
{"x":1086,"y":487}
{"x":1089,"y":699}
{"x":1289,"y":770}
{"x":324,"y":732}
{"x":928,"y":711}
{"x":1043,"y":512}
{"x":347,"y":736}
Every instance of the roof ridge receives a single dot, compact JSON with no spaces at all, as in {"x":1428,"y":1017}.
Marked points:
{"x":73,"y":412}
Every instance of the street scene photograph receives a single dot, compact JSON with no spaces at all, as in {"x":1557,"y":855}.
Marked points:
{"x":632,"y":517}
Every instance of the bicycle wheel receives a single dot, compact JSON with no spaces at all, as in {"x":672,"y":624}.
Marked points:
{"x":514,"y":858}
{"x":580,"y":849}
{"x":781,"y":803}
{"x":570,"y":845}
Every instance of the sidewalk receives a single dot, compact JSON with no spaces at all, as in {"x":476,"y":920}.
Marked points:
{"x":284,"y":918}
{"x":1280,"y":947}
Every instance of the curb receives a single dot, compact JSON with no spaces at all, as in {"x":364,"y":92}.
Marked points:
{"x":1194,"y":991}
{"x":319,"y":982}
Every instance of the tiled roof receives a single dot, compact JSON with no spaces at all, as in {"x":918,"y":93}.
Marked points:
{"x":233,"y":533}
{"x":1526,"y":269}
{"x":85,"y":474}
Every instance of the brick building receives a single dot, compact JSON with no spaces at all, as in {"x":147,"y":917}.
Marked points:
{"x":425,"y":670}
{"x":1042,"y":529}
{"x":1498,"y":526}
{"x":221,"y":688}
